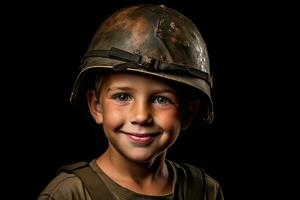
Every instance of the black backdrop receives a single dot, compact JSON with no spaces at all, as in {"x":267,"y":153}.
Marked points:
{"x":46,"y":42}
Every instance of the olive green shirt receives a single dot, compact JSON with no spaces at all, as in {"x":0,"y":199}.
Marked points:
{"x":67,"y":186}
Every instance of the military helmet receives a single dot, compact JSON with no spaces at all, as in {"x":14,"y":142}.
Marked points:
{"x":154,"y":40}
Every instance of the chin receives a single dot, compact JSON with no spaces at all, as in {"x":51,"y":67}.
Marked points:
{"x":139,"y":157}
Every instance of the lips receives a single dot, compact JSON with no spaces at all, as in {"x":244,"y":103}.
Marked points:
{"x":141,"y":138}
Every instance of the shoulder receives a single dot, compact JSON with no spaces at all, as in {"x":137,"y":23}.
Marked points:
{"x":187,"y":171}
{"x":65,"y":186}
{"x":213,"y":188}
{"x":195,"y":177}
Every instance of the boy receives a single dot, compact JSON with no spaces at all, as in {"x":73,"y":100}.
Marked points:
{"x":145,"y":77}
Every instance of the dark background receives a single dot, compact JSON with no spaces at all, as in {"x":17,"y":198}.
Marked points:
{"x":244,"y":149}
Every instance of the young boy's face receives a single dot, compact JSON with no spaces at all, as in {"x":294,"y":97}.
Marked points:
{"x":140,"y":115}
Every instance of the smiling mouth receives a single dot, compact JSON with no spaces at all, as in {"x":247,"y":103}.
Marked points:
{"x":141,"y":139}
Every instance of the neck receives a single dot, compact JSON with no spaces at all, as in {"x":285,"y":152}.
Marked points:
{"x":151,"y":177}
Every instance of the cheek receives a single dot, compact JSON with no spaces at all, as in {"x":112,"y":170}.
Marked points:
{"x":171,"y":125}
{"x":169,"y":119}
{"x":112,"y":116}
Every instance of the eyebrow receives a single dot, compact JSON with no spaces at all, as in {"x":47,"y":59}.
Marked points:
{"x":163,"y":90}
{"x":119,"y":88}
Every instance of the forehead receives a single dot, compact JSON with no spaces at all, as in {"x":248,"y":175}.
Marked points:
{"x":135,"y":80}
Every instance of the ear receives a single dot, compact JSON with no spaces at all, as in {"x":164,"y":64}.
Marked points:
{"x":189,"y":111}
{"x":94,"y":106}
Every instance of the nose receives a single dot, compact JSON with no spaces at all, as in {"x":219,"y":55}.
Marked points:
{"x":141,"y":113}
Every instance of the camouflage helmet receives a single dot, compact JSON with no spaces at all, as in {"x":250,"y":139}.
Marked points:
{"x":154,"y":40}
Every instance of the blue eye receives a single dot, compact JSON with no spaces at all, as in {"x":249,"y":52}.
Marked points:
{"x":122,"y":97}
{"x":161,"y":100}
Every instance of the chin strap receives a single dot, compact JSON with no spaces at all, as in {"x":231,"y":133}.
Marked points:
{"x":135,"y":61}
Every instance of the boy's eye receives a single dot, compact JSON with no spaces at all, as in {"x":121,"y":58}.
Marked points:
{"x":122,"y":97}
{"x":161,"y":100}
